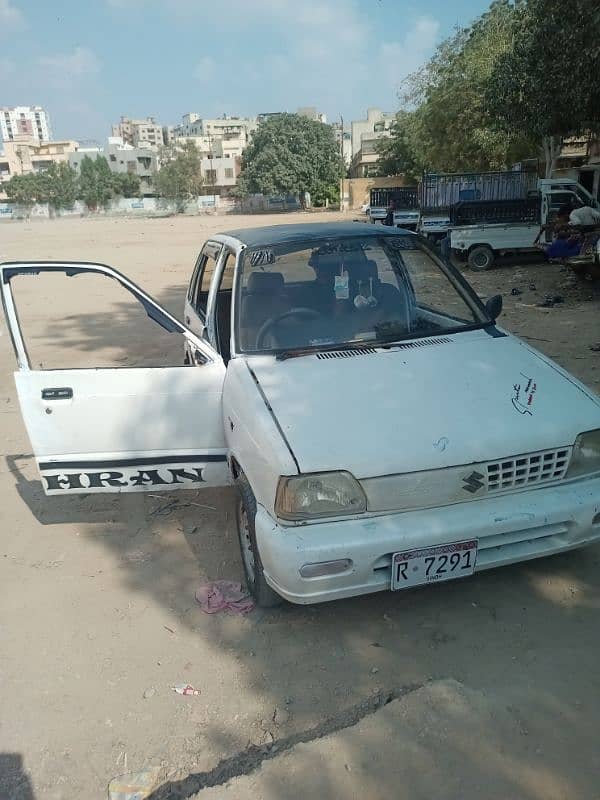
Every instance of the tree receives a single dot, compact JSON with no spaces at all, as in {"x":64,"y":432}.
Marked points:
{"x":180,"y":176}
{"x":545,"y":84}
{"x":58,"y":186}
{"x":126,"y":184}
{"x":397,"y":152}
{"x":95,"y":182}
{"x":290,"y":153}
{"x":24,"y":190}
{"x":451,"y":128}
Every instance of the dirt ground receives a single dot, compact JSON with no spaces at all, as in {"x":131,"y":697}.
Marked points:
{"x":98,"y":619}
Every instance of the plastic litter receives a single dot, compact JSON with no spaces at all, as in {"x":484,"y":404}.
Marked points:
{"x":133,"y":785}
{"x":223,"y":596}
{"x":185,"y":688}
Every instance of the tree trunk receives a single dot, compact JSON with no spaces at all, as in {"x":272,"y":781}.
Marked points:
{"x":552,"y":149}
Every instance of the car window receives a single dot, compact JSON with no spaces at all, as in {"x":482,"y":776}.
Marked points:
{"x":357,"y":289}
{"x":205,"y":275}
{"x":226,"y":283}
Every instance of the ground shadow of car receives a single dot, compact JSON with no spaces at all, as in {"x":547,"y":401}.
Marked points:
{"x":14,"y":781}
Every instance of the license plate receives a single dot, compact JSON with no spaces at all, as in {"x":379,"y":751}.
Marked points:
{"x":443,"y":562}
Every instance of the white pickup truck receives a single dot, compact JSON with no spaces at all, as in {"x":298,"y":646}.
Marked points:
{"x":404,"y":202}
{"x":480,"y":244}
{"x":381,"y":430}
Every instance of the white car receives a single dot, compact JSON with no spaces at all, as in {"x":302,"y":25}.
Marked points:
{"x":382,"y":431}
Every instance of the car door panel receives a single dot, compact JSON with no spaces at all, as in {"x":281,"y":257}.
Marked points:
{"x":122,"y":429}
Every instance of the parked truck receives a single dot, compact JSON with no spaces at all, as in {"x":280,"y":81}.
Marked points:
{"x":439,"y":193}
{"x":481,"y":230}
{"x":405,"y":203}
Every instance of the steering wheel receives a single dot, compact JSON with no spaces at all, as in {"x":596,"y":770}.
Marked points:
{"x":265,"y":328}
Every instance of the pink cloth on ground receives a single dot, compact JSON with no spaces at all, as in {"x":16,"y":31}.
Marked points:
{"x":223,"y":596}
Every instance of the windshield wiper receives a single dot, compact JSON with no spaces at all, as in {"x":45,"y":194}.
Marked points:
{"x":307,"y":351}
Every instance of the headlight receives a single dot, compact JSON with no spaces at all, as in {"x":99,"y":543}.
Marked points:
{"x":586,"y":455}
{"x":320,"y":494}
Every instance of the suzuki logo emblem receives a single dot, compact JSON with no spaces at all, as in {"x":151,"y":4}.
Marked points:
{"x":473,"y":482}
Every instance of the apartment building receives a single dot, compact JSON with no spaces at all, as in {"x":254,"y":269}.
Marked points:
{"x":30,"y":121}
{"x":225,"y":137}
{"x":122,"y":157}
{"x":365,"y":133}
{"x":139,"y":132}
{"x":25,"y":155}
{"x":220,"y":174}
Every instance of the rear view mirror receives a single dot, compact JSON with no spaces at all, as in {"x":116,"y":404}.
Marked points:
{"x":493,"y":306}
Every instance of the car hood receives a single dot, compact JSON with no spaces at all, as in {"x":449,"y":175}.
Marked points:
{"x":468,"y":397}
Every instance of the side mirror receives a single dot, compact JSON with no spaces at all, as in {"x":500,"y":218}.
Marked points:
{"x":493,"y":306}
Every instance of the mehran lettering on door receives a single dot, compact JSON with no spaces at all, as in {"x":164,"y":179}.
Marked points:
{"x":128,"y":475}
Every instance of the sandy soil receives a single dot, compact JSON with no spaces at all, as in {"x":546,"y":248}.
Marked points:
{"x":98,"y":618}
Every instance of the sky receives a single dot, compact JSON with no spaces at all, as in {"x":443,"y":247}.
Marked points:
{"x":87,"y":62}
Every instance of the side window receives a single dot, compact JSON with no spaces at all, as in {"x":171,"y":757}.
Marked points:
{"x":226,"y":283}
{"x":206,"y":270}
{"x":223,"y":307}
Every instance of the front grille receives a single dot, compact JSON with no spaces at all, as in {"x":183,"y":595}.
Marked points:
{"x":510,"y":473}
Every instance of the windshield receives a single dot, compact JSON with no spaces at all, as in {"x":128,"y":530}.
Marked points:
{"x":352,"y":290}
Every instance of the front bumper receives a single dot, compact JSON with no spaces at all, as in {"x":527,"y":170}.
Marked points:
{"x":510,"y":528}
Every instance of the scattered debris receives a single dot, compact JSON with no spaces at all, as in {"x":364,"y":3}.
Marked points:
{"x":185,"y":688}
{"x":532,"y":287}
{"x":551,"y":301}
{"x":149,"y":693}
{"x":165,"y":509}
{"x":515,"y":292}
{"x":224,"y":596}
{"x":374,"y":670}
{"x":595,"y":348}
{"x":133,"y":785}
{"x":166,"y":627}
{"x":281,"y":716}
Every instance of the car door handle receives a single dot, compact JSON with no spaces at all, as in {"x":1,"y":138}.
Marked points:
{"x":58,"y":393}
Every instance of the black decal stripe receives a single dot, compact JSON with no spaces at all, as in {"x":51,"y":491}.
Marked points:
{"x":133,"y":462}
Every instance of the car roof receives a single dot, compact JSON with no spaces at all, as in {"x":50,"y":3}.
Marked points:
{"x":281,"y":234}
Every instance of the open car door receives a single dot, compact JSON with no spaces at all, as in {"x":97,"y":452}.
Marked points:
{"x":122,"y":429}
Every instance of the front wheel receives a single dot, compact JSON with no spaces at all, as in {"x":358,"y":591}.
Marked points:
{"x":260,"y":590}
{"x":481,"y":258}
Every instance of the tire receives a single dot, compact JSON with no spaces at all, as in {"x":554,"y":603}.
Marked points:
{"x":481,"y":258}
{"x":260,"y":590}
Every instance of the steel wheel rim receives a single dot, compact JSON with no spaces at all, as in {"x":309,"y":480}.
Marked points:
{"x":246,"y":544}
{"x":481,"y":259}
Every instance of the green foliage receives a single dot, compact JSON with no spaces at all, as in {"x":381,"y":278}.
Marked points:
{"x":290,"y":153}
{"x":95,"y":182}
{"x":397,"y":153}
{"x":450,"y":127}
{"x":545,"y":83}
{"x":126,"y":184}
{"x":23,"y":189}
{"x":58,"y":186}
{"x":180,"y":177}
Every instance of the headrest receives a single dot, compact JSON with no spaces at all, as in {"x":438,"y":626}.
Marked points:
{"x":264,"y":282}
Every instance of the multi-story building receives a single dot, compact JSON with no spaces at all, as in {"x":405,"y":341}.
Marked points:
{"x":25,"y":155}
{"x":225,"y":137}
{"x":139,"y":132}
{"x":365,"y":133}
{"x":220,"y":174}
{"x":312,"y":113}
{"x":122,"y":157}
{"x":29,"y":121}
